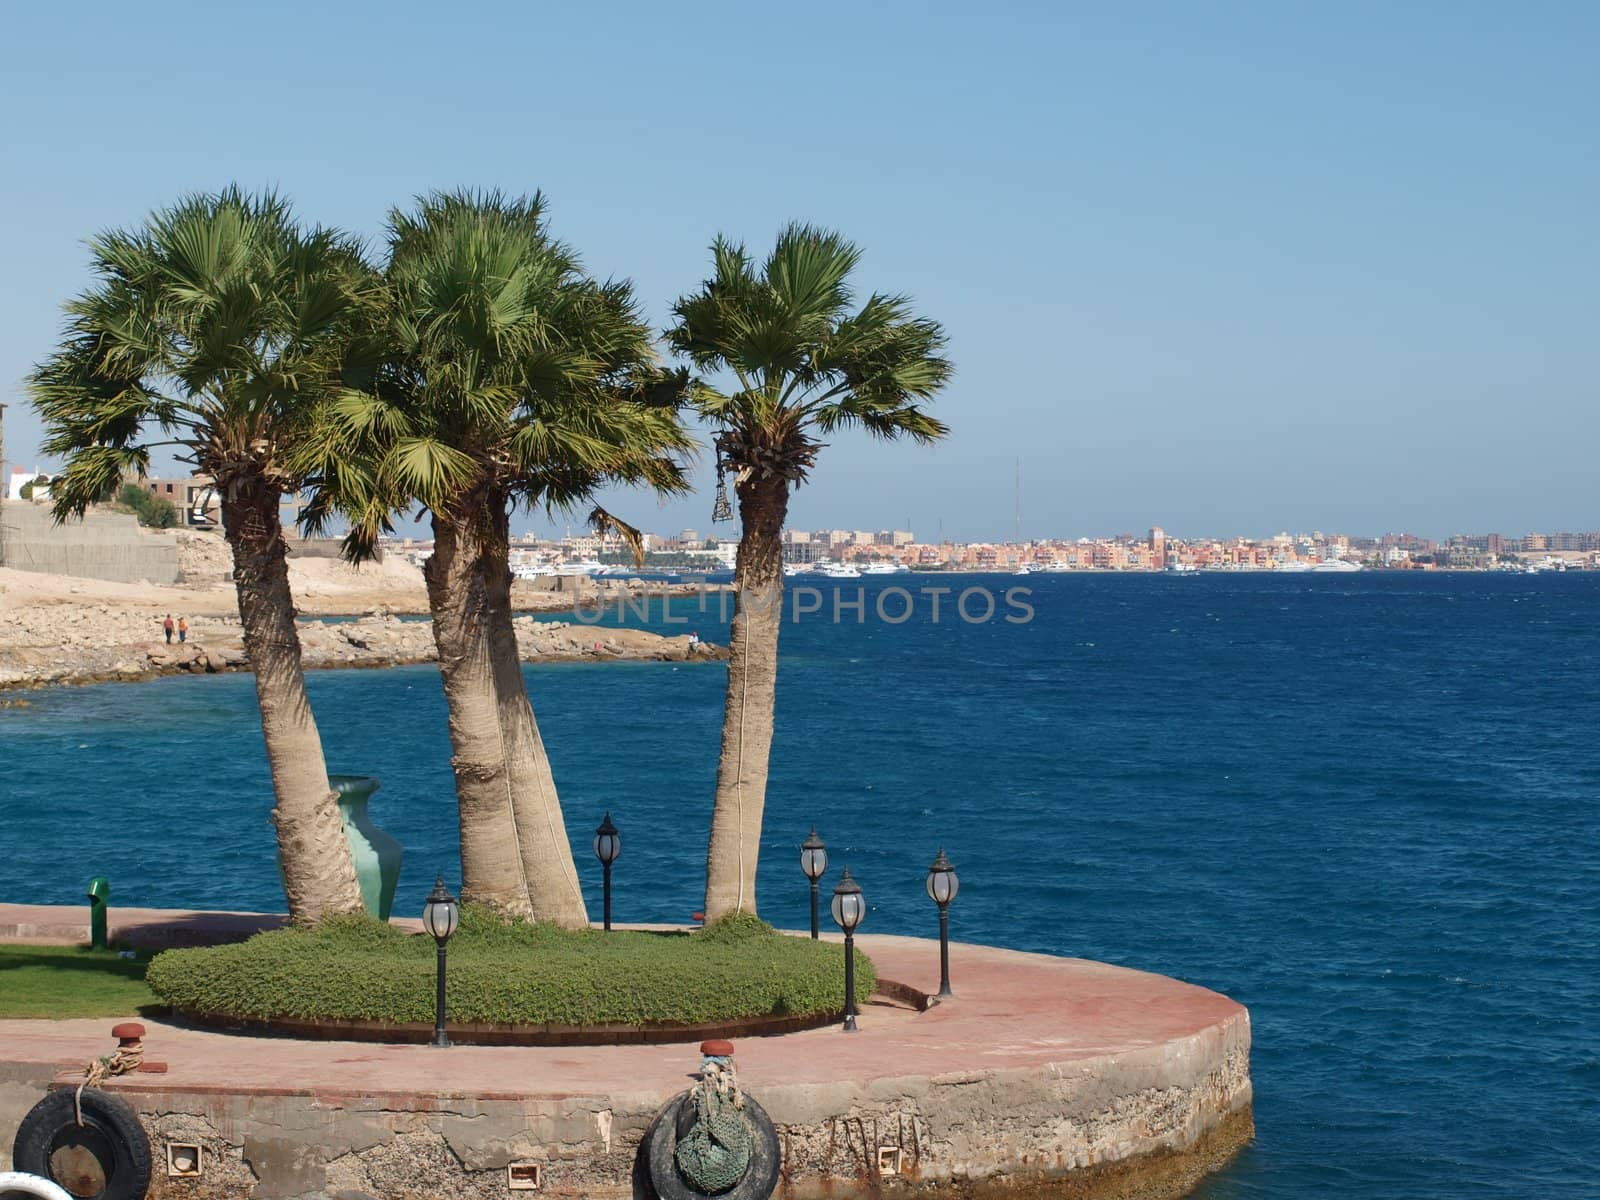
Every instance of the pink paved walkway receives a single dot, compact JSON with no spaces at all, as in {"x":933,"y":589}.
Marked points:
{"x":67,"y":924}
{"x":1011,"y":1010}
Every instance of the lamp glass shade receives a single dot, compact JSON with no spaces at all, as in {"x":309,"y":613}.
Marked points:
{"x":441,"y":914}
{"x":942,"y":882}
{"x":848,"y":905}
{"x":607,"y":842}
{"x":813,"y":857}
{"x":943,"y":886}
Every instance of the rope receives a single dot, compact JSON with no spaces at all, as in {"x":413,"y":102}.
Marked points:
{"x":126,"y":1059}
{"x":715,"y":1153}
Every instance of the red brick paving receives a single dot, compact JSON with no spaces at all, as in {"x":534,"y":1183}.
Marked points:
{"x":1011,"y":1010}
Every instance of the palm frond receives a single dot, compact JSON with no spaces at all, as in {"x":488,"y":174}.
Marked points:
{"x":801,"y":357}
{"x":497,"y":369}
{"x":427,"y":470}
{"x":218,"y":320}
{"x":603,"y":523}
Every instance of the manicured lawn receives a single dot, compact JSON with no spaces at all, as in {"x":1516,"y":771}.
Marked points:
{"x":513,"y":973}
{"x":69,"y":981}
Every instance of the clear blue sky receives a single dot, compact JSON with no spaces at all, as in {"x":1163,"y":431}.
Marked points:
{"x":1224,"y":267}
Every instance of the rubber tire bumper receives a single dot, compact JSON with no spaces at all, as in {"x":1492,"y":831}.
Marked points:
{"x":760,"y":1177}
{"x":15,"y":1185}
{"x":128,"y":1172}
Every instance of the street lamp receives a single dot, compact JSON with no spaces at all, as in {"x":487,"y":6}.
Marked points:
{"x":942,"y":888}
{"x":848,"y":909}
{"x":607,"y":845}
{"x":814,"y":862}
{"x":440,"y":916}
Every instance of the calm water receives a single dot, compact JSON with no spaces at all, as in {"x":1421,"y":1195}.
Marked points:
{"x":1365,"y":806}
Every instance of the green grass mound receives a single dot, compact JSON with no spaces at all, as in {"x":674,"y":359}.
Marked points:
{"x":70,"y":981}
{"x":512,"y":973}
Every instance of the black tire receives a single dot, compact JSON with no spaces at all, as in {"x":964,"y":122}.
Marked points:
{"x":110,"y":1132}
{"x":643,"y":1189}
{"x":661,"y":1142}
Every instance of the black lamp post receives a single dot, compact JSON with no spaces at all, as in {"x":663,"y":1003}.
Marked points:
{"x":440,"y":916}
{"x":607,"y":845}
{"x":942,"y":888}
{"x":848,"y":909}
{"x":814,"y":862}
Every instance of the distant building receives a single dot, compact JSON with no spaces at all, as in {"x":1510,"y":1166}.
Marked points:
{"x":21,"y":477}
{"x":195,"y":498}
{"x":797,"y":546}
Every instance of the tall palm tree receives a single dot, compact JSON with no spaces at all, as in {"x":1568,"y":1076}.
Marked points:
{"x":802,"y":360}
{"x":217,"y":323}
{"x":499,"y":376}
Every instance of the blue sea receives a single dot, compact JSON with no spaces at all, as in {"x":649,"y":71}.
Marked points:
{"x":1366,"y":806}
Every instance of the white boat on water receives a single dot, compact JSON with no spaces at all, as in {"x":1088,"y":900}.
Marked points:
{"x":796,"y":568}
{"x":1295,"y":568}
{"x":533,"y":570}
{"x":883,"y":568}
{"x":1024,"y":569}
{"x":1183,"y":568}
{"x":584,"y":566}
{"x":839,"y":570}
{"x":1337,"y":565}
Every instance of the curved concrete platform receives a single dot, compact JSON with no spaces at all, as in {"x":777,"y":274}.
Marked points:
{"x":1042,"y":1076}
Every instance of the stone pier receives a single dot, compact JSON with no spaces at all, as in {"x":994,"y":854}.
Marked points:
{"x":1042,"y":1076}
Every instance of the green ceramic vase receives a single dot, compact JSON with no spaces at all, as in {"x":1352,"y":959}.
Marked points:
{"x":377,"y":855}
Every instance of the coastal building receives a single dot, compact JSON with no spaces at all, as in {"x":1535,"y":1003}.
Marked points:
{"x":798,"y":546}
{"x":20,"y":480}
{"x":195,"y":498}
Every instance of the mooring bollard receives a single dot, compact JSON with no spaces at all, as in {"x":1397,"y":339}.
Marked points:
{"x":130,"y":1051}
{"x":99,"y":898}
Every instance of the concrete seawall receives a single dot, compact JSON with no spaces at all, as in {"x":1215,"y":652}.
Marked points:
{"x":1044,"y":1076}
{"x":104,"y":545}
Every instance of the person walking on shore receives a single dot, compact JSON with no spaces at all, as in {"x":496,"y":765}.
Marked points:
{"x":166,"y":627}
{"x":183,"y":630}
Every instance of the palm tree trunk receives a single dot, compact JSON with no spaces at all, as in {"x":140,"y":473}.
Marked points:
{"x":747,"y":712}
{"x":553,"y":888}
{"x":491,"y":865}
{"x":319,"y":877}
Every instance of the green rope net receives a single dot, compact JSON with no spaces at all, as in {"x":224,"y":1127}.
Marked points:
{"x":715,"y":1153}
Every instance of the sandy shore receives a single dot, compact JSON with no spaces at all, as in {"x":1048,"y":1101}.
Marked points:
{"x":62,"y":629}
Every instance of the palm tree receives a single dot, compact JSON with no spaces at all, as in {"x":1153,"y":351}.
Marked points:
{"x":803,"y":360}
{"x":217,"y":322}
{"x":499,"y":376}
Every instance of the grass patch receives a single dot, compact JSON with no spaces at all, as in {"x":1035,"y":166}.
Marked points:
{"x":513,"y":973}
{"x":69,"y":981}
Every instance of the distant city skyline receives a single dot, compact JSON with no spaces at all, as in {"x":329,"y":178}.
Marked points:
{"x":540,"y":525}
{"x":1242,"y":267}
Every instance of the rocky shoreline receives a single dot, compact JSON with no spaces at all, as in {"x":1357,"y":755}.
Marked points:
{"x":64,"y":629}
{"x":98,"y":644}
